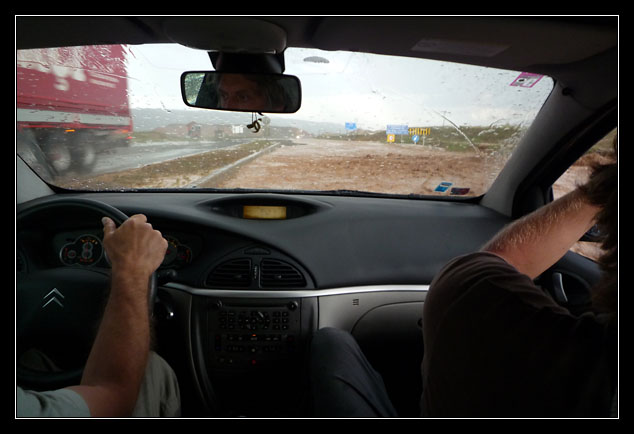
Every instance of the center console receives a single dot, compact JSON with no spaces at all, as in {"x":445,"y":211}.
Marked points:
{"x":249,"y":353}
{"x":244,"y":334}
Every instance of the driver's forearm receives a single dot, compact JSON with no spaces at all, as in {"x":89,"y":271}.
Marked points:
{"x":117,"y":361}
{"x":535,"y":242}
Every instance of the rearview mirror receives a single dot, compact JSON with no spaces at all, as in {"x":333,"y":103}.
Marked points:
{"x":271,"y":93}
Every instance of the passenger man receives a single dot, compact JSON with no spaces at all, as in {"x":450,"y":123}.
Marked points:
{"x":497,"y":346}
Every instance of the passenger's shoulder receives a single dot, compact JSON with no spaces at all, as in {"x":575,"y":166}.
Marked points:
{"x":475,"y":265}
{"x":482,"y":276}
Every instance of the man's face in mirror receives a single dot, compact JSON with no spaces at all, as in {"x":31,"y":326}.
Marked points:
{"x":237,"y":92}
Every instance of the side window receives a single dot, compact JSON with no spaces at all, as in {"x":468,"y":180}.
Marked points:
{"x":578,"y":174}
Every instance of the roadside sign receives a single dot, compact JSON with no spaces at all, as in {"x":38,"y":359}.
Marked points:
{"x":419,"y":131}
{"x":396,"y":129}
{"x":391,"y":138}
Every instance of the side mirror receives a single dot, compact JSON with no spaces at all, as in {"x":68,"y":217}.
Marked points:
{"x":594,"y":235}
{"x":270,"y":93}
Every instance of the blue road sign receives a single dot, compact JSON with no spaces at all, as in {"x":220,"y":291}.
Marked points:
{"x":396,"y":129}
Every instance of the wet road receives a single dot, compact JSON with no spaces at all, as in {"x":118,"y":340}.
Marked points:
{"x":142,"y":154}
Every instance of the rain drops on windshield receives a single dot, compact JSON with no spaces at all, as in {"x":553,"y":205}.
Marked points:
{"x":367,"y":123}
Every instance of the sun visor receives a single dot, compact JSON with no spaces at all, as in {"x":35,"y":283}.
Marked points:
{"x":226,"y":34}
{"x":516,"y":43}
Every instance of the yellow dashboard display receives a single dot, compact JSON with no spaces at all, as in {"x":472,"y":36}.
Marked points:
{"x":264,"y":212}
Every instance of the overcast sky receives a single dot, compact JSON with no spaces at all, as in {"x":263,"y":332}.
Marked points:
{"x":371,"y":91}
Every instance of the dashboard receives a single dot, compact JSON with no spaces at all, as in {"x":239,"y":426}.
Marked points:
{"x":84,"y":248}
{"x":322,"y":241}
{"x":231,"y":264}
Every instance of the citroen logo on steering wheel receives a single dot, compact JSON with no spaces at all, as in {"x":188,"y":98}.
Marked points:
{"x":53,"y":296}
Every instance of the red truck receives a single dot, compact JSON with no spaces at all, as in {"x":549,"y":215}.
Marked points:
{"x":72,"y":102}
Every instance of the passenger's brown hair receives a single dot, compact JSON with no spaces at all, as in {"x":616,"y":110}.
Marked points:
{"x":602,"y":190}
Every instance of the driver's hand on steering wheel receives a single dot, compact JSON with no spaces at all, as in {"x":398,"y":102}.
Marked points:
{"x":134,"y":249}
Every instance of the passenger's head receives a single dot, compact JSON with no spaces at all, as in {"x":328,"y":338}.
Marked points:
{"x":602,"y":191}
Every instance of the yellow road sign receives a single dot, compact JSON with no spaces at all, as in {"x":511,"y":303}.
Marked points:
{"x":419,"y":131}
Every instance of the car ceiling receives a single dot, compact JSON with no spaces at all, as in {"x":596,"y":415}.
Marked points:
{"x":508,"y":42}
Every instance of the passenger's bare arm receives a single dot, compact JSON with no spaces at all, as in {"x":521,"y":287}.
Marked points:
{"x":535,"y":242}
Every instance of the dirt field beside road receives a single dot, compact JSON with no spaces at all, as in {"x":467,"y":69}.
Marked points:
{"x":313,"y":164}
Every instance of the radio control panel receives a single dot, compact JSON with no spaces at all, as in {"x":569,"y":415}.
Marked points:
{"x":252,"y":337}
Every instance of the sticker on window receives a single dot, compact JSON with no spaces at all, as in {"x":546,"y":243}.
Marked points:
{"x":526,"y":79}
{"x":443,"y":186}
{"x":460,"y":191}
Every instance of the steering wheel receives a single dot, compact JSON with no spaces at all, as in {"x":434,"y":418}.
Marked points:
{"x":58,"y":310}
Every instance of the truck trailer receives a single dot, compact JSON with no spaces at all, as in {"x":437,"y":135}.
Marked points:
{"x":72,"y":103}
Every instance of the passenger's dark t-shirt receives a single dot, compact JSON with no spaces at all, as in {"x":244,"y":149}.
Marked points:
{"x":497,"y":346}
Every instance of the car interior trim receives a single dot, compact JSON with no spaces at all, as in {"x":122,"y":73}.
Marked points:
{"x":295,"y":293}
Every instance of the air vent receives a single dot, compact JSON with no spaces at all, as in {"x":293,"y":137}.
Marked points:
{"x":278,"y":274}
{"x":235,"y":273}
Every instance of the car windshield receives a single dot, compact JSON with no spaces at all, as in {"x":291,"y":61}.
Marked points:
{"x":113,"y":118}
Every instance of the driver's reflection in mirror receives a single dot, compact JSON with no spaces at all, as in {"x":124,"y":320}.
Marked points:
{"x":249,"y":92}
